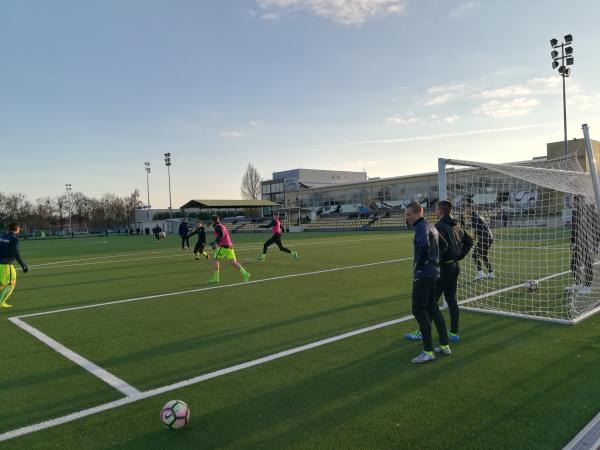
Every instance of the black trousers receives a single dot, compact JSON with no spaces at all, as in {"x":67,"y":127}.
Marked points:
{"x":447,"y":284}
{"x":185,"y":242}
{"x":425,"y":309}
{"x":199,"y":247}
{"x":482,"y":248}
{"x":275,"y":239}
{"x":582,"y":263}
{"x":157,"y":236}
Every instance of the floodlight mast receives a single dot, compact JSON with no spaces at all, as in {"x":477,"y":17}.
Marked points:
{"x":566,"y":59}
{"x":147,"y":164}
{"x":168,"y":164}
{"x":69,"y":189}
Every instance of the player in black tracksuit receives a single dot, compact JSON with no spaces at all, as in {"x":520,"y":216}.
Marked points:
{"x":484,"y":238}
{"x":156,"y":230}
{"x":426,"y":271}
{"x":201,"y":243}
{"x":459,"y":244}
{"x":584,"y":244}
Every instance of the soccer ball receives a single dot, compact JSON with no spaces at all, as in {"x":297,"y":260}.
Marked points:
{"x":162,"y":235}
{"x":531,"y":285}
{"x":175,"y":414}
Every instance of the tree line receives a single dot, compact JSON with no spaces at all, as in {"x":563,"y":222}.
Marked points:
{"x":54,"y":213}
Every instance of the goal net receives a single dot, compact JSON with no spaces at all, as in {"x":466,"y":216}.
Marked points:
{"x":543,"y":256}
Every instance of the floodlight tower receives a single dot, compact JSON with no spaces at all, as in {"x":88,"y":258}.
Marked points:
{"x":566,"y":59}
{"x":147,"y":164}
{"x":168,"y":164}
{"x":69,"y":189}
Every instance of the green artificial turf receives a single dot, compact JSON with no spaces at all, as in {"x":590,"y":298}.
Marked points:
{"x":511,"y":383}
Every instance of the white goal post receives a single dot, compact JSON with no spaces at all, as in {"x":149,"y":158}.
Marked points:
{"x":543,"y":260}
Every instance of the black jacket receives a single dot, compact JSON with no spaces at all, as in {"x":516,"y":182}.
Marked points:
{"x":481,"y":229}
{"x":426,"y":250}
{"x":458,"y":242}
{"x":9,"y":249}
{"x":201,"y":232}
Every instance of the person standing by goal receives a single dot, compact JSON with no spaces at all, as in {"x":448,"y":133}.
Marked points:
{"x":277,"y":230}
{"x":426,"y":271}
{"x":459,"y":244}
{"x":484,"y":238}
{"x":584,"y":244}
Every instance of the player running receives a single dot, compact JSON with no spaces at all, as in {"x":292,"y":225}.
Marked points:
{"x":224,"y":249}
{"x":484,"y":238}
{"x":199,"y":247}
{"x":277,"y":230}
{"x":9,"y":252}
{"x":426,"y":271}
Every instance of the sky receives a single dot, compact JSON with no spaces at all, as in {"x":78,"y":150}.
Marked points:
{"x":91,"y":90}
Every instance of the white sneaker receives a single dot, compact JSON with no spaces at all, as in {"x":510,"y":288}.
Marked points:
{"x":480,"y":276}
{"x":423,"y":357}
{"x":573,"y":288}
{"x":445,"y":350}
{"x":490,"y":275}
{"x":585,"y":290}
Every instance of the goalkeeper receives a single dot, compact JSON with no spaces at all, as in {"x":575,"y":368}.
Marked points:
{"x":9,"y":252}
{"x":485,"y":239}
{"x":583,"y":245}
{"x":459,"y":244}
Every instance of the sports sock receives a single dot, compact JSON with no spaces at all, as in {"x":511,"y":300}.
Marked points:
{"x":5,"y":293}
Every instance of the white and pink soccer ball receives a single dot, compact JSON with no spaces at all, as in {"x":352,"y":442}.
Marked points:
{"x":175,"y":414}
{"x":531,"y":285}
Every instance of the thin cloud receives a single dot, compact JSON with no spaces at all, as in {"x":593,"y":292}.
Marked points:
{"x":347,"y":12}
{"x":231,"y":134}
{"x":513,"y":108}
{"x":402,"y":120}
{"x":432,"y":137}
{"x":463,"y":9}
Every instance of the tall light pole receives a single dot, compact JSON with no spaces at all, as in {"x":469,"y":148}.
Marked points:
{"x":147,"y":164}
{"x":69,"y":189}
{"x":566,"y":59}
{"x":168,"y":164}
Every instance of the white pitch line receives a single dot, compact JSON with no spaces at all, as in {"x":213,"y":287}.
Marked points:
{"x":94,"y":261}
{"x":86,"y":364}
{"x":195,"y":380}
{"x":218,"y":373}
{"x":210,"y":288}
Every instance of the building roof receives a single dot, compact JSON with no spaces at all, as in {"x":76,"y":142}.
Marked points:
{"x":215,"y":204}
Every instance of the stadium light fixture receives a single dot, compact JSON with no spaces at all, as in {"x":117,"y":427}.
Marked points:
{"x":69,"y":189}
{"x":168,"y":164}
{"x":147,"y":164}
{"x":560,"y":61}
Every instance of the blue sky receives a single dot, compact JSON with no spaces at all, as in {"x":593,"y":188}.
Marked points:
{"x":90,"y":90}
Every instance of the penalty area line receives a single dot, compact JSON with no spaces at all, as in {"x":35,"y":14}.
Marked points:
{"x":192,"y":381}
{"x":82,"y":362}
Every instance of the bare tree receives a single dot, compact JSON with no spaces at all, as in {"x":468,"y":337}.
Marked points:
{"x":251,"y":184}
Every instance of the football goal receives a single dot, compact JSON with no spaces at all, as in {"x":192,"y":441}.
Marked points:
{"x":542,"y":260}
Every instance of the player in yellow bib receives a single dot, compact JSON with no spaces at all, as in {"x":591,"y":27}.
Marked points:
{"x":9,"y":252}
{"x":223,"y":246}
